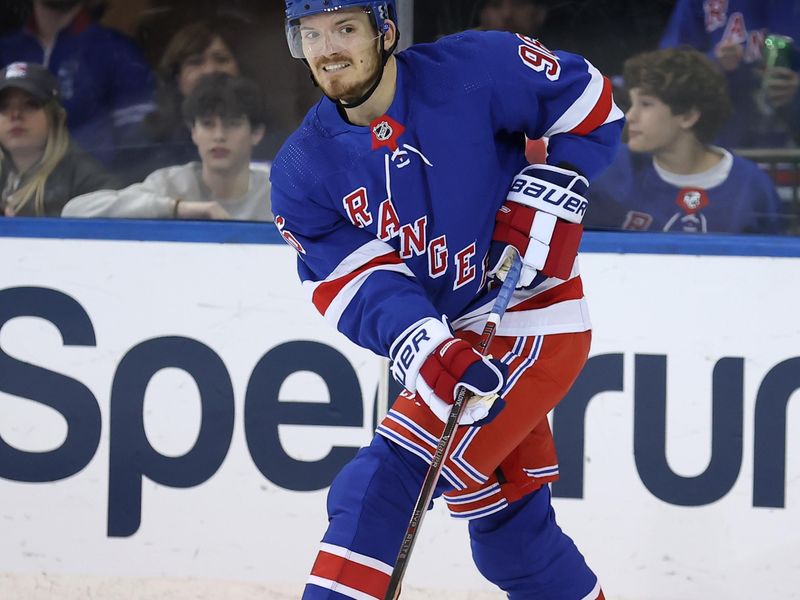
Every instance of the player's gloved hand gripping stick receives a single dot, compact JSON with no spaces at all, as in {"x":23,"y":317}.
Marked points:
{"x":443,"y":447}
{"x":541,"y":220}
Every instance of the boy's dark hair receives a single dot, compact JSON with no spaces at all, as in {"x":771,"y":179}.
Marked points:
{"x":683,"y":79}
{"x":225,"y":96}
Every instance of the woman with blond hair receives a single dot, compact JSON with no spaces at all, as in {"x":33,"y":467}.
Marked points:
{"x":40,"y":167}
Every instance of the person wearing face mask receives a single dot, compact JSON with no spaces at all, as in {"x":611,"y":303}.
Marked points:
{"x":106,"y":84}
{"x":40,"y":167}
{"x":225,"y":117}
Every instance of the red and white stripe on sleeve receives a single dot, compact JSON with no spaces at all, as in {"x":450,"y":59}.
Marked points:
{"x":332,"y":295}
{"x":593,"y":108}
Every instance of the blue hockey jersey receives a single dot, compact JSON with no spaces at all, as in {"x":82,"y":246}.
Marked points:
{"x":633,"y":195}
{"x":703,"y":24}
{"x":393,"y":222}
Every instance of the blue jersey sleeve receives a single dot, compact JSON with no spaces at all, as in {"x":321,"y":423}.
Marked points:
{"x":557,"y":95}
{"x":133,"y":86}
{"x":130,"y":84}
{"x":357,"y":282}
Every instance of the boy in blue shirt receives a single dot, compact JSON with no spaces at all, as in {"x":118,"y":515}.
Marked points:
{"x":669,"y":177}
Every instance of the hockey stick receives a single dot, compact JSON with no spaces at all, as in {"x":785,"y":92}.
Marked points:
{"x":443,"y":447}
{"x":382,"y":403}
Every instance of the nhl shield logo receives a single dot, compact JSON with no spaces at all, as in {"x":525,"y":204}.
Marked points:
{"x":383,"y":131}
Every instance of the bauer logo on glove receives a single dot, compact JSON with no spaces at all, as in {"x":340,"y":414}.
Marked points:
{"x":561,"y":202}
{"x":540,"y":220}
{"x":441,"y":365}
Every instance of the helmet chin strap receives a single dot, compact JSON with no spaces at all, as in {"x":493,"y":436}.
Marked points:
{"x":385,"y":54}
{"x":366,"y":96}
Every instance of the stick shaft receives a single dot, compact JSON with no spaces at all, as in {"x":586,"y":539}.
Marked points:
{"x":446,"y":440}
{"x":382,"y":404}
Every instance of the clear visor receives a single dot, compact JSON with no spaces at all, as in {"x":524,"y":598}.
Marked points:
{"x":331,"y":33}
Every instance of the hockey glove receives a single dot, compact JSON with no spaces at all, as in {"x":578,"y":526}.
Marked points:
{"x":541,"y":219}
{"x":428,"y":360}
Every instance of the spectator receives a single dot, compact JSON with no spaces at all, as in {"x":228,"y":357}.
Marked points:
{"x":225,"y":116}
{"x":516,"y":16}
{"x":678,"y":103}
{"x":732,"y":32}
{"x":196,"y":49}
{"x":40,"y":168}
{"x":106,"y":85}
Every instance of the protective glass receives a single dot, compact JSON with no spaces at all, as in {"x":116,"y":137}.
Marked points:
{"x":329,"y":33}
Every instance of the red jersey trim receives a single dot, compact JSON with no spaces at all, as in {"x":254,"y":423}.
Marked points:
{"x":571,"y":289}
{"x":327,"y":291}
{"x":598,"y":114}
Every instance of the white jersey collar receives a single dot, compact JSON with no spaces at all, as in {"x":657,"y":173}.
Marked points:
{"x":707,"y":179}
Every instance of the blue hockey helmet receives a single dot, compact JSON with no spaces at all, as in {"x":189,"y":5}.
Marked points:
{"x":297,"y":9}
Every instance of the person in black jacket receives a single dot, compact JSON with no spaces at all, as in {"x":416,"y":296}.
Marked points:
{"x":40,"y":167}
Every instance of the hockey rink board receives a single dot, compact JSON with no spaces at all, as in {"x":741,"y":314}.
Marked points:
{"x":172,"y":410}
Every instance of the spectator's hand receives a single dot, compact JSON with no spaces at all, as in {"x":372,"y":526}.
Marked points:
{"x":9,"y":212}
{"x":729,"y":55}
{"x":780,"y":86}
{"x":189,"y":209}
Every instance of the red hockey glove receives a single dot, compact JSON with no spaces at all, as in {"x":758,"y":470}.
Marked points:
{"x":541,"y":220}
{"x":428,"y":360}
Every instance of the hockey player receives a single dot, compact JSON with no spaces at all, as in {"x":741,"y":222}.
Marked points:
{"x":670,"y":177}
{"x":394,"y":192}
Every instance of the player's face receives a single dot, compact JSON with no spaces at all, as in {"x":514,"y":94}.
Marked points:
{"x":216,"y":58}
{"x":342,"y":51}
{"x":225,"y":144}
{"x":23,"y":123}
{"x":652,"y":127}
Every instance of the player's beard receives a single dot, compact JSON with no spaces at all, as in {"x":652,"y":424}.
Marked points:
{"x":348,"y":90}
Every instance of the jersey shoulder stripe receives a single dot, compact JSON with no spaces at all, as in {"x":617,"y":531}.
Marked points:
{"x":594,"y":107}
